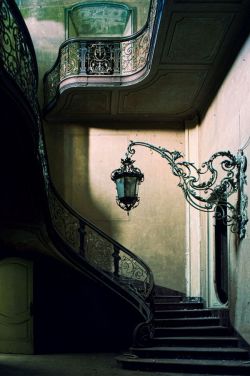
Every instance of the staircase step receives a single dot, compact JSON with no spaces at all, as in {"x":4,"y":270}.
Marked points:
{"x":192,"y":331}
{"x":218,"y":367}
{"x":178,"y":313}
{"x":177,"y":306}
{"x":229,"y":353}
{"x":189,"y":338}
{"x":187,"y":321}
{"x":210,"y":341}
{"x":168,"y":298}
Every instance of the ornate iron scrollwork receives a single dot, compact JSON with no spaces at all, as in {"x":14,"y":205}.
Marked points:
{"x":207,"y":194}
{"x":70,"y":62}
{"x":135,"y":52}
{"x":16,"y":52}
{"x":100,"y":58}
{"x":134,"y":275}
{"x":123,"y":57}
{"x":242,"y":203}
{"x":143,"y":334}
{"x":98,"y":249}
{"x":65,"y":223}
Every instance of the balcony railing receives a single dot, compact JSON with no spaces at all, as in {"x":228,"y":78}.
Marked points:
{"x":106,"y":62}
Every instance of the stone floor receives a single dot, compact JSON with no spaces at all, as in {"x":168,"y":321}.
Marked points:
{"x":67,"y":365}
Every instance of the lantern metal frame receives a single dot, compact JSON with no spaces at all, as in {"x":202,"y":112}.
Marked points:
{"x":204,"y":194}
{"x":127,"y":169}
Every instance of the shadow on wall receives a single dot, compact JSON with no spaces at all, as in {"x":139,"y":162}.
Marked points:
{"x":68,"y":153}
{"x":81,"y":160}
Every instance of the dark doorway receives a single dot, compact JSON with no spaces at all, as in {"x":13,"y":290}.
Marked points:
{"x":221,"y":253}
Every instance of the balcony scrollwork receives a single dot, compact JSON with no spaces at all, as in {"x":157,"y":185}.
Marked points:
{"x":124,"y":59}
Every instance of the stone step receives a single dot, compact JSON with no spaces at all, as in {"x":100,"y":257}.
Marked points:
{"x":192,"y":331}
{"x":178,"y":313}
{"x":229,"y":353}
{"x":177,"y":306}
{"x":187,"y":321}
{"x":189,"y":338}
{"x":168,"y":298}
{"x":210,"y":341}
{"x":191,"y":366}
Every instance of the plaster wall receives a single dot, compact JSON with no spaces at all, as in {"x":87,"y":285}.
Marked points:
{"x":81,"y":160}
{"x":226,"y":126}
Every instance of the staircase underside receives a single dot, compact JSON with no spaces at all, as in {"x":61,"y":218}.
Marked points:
{"x":195,"y":48}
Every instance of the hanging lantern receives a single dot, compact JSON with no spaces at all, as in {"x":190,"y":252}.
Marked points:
{"x":127,"y":179}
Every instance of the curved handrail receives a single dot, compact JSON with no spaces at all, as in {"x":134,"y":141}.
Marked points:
{"x":92,"y":245}
{"x":104,"y":254}
{"x":125,"y":59}
{"x":106,"y":257}
{"x":98,"y":248}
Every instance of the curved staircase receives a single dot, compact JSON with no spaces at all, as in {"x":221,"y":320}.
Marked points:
{"x":181,"y":335}
{"x":189,"y":338}
{"x":63,"y":233}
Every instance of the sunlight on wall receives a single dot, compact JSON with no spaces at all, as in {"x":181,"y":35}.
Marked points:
{"x":155,"y":230}
{"x":147,"y":231}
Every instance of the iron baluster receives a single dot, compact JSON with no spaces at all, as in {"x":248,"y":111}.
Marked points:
{"x":82,"y":233}
{"x":117,"y":258}
{"x":117,"y":57}
{"x":83,"y":53}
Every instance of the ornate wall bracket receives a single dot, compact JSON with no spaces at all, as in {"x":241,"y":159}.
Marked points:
{"x":209,"y":187}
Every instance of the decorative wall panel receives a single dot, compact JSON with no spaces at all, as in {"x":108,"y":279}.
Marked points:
{"x":170,"y":94}
{"x":88,"y":103}
{"x":195,"y":38}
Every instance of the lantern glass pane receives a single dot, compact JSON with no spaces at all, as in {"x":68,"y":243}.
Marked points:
{"x":131,"y":186}
{"x":120,"y":187}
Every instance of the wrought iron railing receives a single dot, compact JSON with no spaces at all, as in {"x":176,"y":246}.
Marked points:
{"x":93,"y":246}
{"x":99,"y":249}
{"x":95,"y":58}
{"x":17,"y":55}
{"x":111,"y":259}
{"x":108,"y":258}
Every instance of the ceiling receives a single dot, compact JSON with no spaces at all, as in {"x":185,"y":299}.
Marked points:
{"x":196,"y":45}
